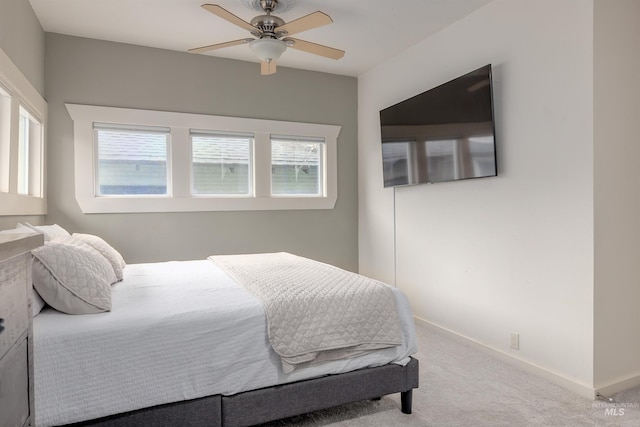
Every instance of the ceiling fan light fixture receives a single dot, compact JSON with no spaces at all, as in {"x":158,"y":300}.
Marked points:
{"x":267,"y":49}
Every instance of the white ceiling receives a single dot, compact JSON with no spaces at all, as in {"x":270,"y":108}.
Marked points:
{"x":370,"y":31}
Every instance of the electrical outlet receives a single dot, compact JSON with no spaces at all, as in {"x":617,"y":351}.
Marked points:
{"x":515,"y":341}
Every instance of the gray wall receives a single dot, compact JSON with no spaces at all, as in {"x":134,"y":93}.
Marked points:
{"x":85,"y":71}
{"x":23,"y":40}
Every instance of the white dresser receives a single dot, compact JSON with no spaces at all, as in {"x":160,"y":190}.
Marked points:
{"x":16,"y":345}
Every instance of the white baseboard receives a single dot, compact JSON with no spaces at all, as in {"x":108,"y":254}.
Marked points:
{"x":619,"y":386}
{"x":555,"y":378}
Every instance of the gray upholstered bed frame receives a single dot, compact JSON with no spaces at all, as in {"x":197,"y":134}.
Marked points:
{"x":272,"y":403}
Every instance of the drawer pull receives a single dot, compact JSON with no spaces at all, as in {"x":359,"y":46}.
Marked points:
{"x":1,"y":327}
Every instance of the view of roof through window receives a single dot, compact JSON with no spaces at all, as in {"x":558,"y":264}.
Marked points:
{"x":134,"y":162}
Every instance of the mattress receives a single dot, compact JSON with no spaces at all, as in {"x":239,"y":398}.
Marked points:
{"x":177,"y":331}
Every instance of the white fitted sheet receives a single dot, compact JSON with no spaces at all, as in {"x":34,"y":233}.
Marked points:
{"x":177,"y":330}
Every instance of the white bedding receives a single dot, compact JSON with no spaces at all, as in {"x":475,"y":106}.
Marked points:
{"x":177,"y":331}
{"x":315,"y":311}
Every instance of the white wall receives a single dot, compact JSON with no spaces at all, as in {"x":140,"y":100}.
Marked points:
{"x":486,"y":257}
{"x":616,"y":197}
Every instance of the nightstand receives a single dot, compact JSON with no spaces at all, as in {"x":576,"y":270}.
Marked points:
{"x":16,"y":344}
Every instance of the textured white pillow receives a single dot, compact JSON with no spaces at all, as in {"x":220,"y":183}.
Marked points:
{"x":74,"y":279}
{"x":112,"y":255}
{"x":49,"y":231}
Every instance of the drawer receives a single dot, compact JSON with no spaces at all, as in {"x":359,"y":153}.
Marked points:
{"x":14,"y":387}
{"x":13,"y":300}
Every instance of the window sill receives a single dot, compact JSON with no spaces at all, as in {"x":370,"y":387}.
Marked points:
{"x":20,"y":204}
{"x":200,"y":203}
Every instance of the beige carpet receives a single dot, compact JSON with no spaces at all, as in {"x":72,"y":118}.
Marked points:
{"x":463,"y":386}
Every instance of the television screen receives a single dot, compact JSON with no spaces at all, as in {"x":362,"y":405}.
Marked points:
{"x":444,"y":134}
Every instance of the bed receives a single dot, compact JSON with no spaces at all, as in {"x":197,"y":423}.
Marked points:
{"x":185,"y":344}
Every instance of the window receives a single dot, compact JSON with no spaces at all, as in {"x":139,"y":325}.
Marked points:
{"x":130,"y":160}
{"x":23,"y":115}
{"x":29,"y":154}
{"x":5,"y":134}
{"x":296,"y":166}
{"x":221,"y":163}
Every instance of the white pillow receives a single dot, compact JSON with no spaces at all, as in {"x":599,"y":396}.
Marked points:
{"x":74,"y":279}
{"x":37,"y":303}
{"x":49,"y":231}
{"x":112,"y":255}
{"x":20,"y":229}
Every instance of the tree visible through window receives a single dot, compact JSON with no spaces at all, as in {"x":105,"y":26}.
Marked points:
{"x":221,"y":163}
{"x":296,"y":166}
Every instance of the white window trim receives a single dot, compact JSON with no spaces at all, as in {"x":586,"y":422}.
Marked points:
{"x":181,"y":200}
{"x":22,"y":93}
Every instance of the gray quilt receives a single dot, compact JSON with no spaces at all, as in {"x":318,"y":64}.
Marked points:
{"x":315,"y":311}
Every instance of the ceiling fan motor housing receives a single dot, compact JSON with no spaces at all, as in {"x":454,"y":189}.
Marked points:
{"x":267,"y":26}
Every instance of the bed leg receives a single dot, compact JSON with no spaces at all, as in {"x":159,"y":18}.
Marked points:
{"x":406,"y":398}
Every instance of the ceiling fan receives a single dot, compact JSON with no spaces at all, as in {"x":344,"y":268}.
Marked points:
{"x":272,"y":34}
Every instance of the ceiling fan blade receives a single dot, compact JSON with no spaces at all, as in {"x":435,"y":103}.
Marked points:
{"x":225,"y":14}
{"x":316,"y":49}
{"x":308,"y":22}
{"x":219,"y":46}
{"x":268,"y":67}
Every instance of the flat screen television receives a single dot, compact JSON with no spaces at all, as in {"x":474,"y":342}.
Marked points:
{"x":444,"y":134}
